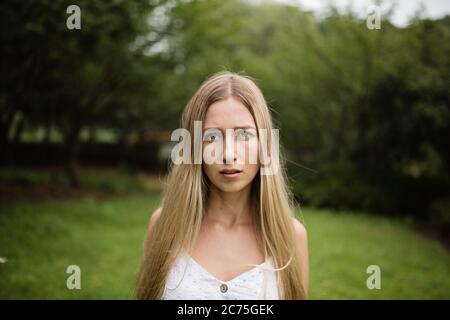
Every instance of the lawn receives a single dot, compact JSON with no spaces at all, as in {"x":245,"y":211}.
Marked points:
{"x":104,"y":238}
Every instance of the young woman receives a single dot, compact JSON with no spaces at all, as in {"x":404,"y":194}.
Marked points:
{"x":225,"y":229}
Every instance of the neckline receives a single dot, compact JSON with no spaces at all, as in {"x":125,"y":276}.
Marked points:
{"x":188,"y":256}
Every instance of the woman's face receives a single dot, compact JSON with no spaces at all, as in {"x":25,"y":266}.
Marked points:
{"x":231,"y":141}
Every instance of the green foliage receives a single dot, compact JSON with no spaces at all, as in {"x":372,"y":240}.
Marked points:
{"x":72,"y":78}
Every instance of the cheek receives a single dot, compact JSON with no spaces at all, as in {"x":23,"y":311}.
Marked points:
{"x":252,"y":166}
{"x":251,"y":149}
{"x":248,"y":150}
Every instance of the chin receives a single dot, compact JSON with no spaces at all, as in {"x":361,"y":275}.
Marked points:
{"x":230,"y":187}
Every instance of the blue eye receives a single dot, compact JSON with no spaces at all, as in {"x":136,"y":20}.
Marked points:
{"x":244,"y":134}
{"x":211,"y":137}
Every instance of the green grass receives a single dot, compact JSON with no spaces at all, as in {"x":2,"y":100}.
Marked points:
{"x":343,"y":245}
{"x":105,"y":238}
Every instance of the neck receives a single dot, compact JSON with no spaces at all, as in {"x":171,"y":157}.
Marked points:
{"x":229,"y":208}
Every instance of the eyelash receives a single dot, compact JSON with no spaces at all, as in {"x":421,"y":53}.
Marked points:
{"x":247,"y":135}
{"x":208,"y":137}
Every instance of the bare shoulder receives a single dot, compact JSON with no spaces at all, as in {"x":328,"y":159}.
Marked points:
{"x":301,"y":237}
{"x":300,"y":230}
{"x":154,"y":218}
{"x":151,"y":225}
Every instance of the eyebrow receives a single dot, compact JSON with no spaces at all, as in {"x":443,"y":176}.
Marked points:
{"x":237,"y":127}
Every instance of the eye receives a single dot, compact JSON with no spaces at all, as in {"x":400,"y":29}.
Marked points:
{"x":211,"y":136}
{"x":243,"y":134}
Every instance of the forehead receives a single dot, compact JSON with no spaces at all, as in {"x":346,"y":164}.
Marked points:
{"x":228,"y":114}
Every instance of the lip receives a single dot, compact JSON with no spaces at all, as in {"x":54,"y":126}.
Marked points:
{"x":231,"y":174}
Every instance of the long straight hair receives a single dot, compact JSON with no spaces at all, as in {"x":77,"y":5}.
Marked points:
{"x":186,"y":192}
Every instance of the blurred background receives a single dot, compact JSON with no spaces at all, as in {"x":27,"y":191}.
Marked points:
{"x":86,"y":116}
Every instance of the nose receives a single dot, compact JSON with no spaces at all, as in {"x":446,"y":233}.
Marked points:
{"x":229,"y":156}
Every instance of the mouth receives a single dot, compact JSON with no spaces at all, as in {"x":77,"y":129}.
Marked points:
{"x":231,"y":174}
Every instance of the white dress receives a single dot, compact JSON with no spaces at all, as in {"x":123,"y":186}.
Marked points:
{"x":188,"y":280}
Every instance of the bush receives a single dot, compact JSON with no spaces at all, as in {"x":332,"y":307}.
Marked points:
{"x":439,"y":213}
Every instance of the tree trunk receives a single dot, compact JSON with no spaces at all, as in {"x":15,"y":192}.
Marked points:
{"x":72,"y":146}
{"x":6,"y":121}
{"x":48,"y":131}
{"x":92,"y":134}
{"x":18,"y":131}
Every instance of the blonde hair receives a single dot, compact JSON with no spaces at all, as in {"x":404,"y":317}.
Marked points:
{"x":187,"y":190}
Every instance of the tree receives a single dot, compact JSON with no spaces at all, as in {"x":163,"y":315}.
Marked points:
{"x":70,"y":78}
